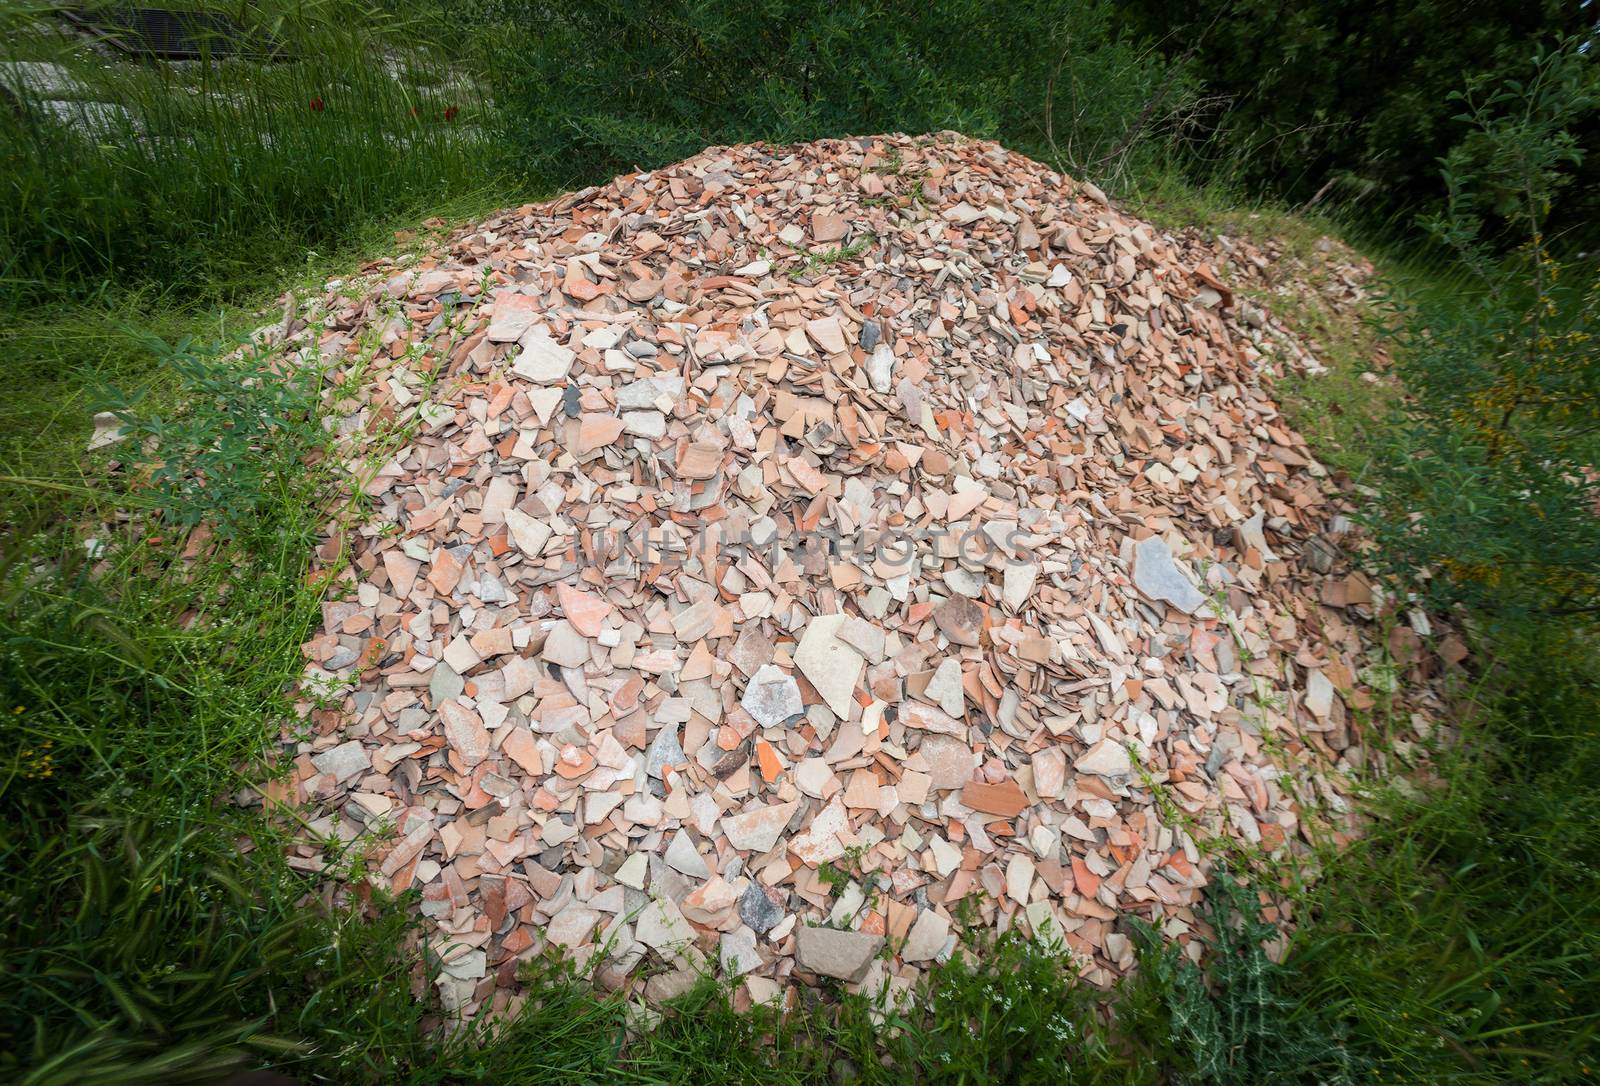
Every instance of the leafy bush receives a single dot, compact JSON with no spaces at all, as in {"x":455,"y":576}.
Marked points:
{"x":593,"y":89}
{"x":1457,"y":937}
{"x":142,"y":945}
{"x":1354,"y":100}
{"x":142,"y":684}
{"x":1491,"y":492}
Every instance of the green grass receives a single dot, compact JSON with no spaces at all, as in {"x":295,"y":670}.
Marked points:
{"x":190,"y":211}
{"x":1458,"y":938}
{"x":209,"y":174}
{"x":1342,"y":411}
{"x":69,"y":351}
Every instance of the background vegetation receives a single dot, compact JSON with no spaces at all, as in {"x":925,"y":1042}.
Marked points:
{"x":158,"y":935}
{"x":1351,"y":101}
{"x":681,"y":75}
{"x":210,"y":176}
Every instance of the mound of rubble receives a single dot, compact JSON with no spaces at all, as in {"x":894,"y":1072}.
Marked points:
{"x":766,"y":554}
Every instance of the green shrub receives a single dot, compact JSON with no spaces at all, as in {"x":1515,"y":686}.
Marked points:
{"x":1352,"y":102}
{"x":1490,"y":494}
{"x":1012,"y":1008}
{"x":593,"y":89}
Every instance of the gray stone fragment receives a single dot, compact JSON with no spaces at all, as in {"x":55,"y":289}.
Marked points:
{"x":95,"y":118}
{"x":949,"y":760}
{"x":565,"y":646}
{"x":455,"y":994}
{"x":669,"y":985}
{"x":542,"y":360}
{"x":651,"y":424}
{"x":1319,"y":694}
{"x":469,"y":965}
{"x":964,"y":582}
{"x":684,"y":857}
{"x":107,"y":431}
{"x":661,"y":927}
{"x":1157,"y":576}
{"x":910,"y":398}
{"x":341,"y":659}
{"x":343,"y":761}
{"x":737,"y":952}
{"x":845,"y":955}
{"x":664,"y":750}
{"x":945,"y":689}
{"x":490,"y":590}
{"x":1019,"y":579}
{"x":829,"y":664}
{"x":926,"y":938}
{"x":633,"y":900}
{"x":1107,"y":758}
{"x":880,"y":368}
{"x":666,"y":882}
{"x":1255,"y":536}
{"x":445,"y":684}
{"x":1320,"y":555}
{"x":39,"y":78}
{"x":758,"y":910}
